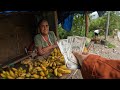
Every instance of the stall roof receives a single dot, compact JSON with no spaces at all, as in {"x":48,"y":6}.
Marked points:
{"x":64,"y":17}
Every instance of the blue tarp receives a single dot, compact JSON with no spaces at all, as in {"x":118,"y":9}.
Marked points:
{"x":67,"y":23}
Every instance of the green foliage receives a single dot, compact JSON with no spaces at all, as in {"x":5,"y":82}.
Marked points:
{"x":78,"y":26}
{"x":109,"y":45}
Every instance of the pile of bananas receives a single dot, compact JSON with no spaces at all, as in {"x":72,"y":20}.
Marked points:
{"x":54,"y":65}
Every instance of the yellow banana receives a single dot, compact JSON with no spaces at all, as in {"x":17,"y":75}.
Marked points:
{"x":11,"y":73}
{"x":59,"y":74}
{"x":64,"y":71}
{"x":44,"y":77}
{"x":41,"y":77}
{"x":42,"y":73}
{"x":67,"y":71}
{"x":54,"y":64}
{"x":39,"y":69}
{"x":3,"y":75}
{"x":3,"y":72}
{"x":9,"y":77}
{"x":55,"y":72}
{"x":60,"y":70}
{"x":44,"y":68}
{"x":63,"y":67}
{"x":14,"y":69}
{"x":51,"y":64}
{"x":46,"y":72}
{"x":28,"y":75}
{"x":36,"y":76}
{"x":50,"y":70}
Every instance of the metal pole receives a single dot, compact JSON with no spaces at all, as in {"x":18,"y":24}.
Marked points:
{"x":107,"y":26}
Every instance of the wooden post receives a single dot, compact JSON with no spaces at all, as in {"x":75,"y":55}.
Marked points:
{"x":107,"y":26}
{"x":86,"y":23}
{"x":56,"y":24}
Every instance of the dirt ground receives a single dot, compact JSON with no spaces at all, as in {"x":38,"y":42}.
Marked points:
{"x":104,"y":51}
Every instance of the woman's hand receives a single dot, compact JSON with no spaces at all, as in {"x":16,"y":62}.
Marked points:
{"x":54,"y":46}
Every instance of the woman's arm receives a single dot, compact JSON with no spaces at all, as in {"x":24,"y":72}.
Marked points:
{"x":45,"y":50}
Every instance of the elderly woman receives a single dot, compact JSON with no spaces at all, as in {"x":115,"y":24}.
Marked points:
{"x":96,"y":67}
{"x":46,"y":40}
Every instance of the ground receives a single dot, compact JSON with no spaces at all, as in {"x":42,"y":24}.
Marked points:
{"x":104,"y":51}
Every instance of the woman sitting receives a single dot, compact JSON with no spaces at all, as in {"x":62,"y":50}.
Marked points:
{"x":46,"y":40}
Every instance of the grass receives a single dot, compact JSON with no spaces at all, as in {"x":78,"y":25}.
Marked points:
{"x":109,"y":45}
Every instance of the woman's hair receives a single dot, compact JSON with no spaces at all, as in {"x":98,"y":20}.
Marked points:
{"x":40,"y":21}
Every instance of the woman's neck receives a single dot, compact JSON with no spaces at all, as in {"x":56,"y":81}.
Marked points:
{"x":44,"y":35}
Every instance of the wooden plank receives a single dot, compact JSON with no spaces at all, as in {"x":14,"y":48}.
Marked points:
{"x":15,"y":60}
{"x":56,"y":24}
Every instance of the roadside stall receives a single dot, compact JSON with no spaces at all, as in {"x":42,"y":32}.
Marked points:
{"x":17,"y":30}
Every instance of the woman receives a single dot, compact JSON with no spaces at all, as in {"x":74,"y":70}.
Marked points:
{"x":46,"y":40}
{"x":96,"y":67}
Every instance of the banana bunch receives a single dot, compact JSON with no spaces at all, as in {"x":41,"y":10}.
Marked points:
{"x":61,"y":70}
{"x":39,"y":69}
{"x":14,"y":73}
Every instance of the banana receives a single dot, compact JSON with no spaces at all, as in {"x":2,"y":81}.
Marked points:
{"x":63,"y":67}
{"x":39,"y":69}
{"x":67,"y":71}
{"x":51,"y":64}
{"x":64,"y":71}
{"x":41,"y":77}
{"x":3,"y":75}
{"x":44,"y":68}
{"x":35,"y":76}
{"x":11,"y":73}
{"x":60,"y":70}
{"x":28,"y":75}
{"x":46,"y":72}
{"x":59,"y":74}
{"x":53,"y":67}
{"x":54,"y":64}
{"x":50,"y":70}
{"x":20,"y":78}
{"x":55,"y":72}
{"x":30,"y":68}
{"x":7,"y":73}
{"x":58,"y":63}
{"x":14,"y":69}
{"x":42,"y":73}
{"x":23,"y":74}
{"x":3,"y":72}
{"x":44,"y":77}
{"x":10,"y":77}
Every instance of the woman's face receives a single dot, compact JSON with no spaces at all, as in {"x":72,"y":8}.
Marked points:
{"x":44,"y":27}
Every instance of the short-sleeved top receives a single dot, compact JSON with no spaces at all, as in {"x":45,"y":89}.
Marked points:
{"x":39,"y":41}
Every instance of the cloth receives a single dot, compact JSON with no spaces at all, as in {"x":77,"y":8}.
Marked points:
{"x":39,"y":41}
{"x":97,"y":67}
